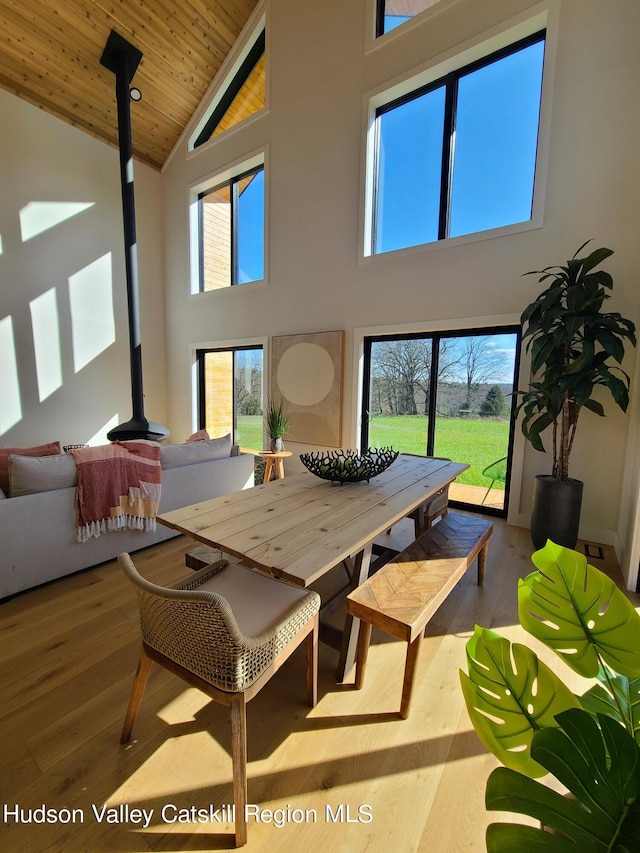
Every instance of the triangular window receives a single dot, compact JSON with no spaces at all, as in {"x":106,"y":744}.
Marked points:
{"x":392,"y":13}
{"x":244,"y":95}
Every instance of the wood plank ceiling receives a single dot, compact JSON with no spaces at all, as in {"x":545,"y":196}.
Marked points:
{"x":50,"y":55}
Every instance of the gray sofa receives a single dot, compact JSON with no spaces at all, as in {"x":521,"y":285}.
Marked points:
{"x":38,"y":529}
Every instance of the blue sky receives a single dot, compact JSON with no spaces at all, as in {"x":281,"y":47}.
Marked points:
{"x":393,"y":21}
{"x":251,"y":230}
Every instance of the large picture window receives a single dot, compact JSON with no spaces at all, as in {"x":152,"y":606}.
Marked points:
{"x":458,"y":156}
{"x":231,"y":393}
{"x":231,"y":224}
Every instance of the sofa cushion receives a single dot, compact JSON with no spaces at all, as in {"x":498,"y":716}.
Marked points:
{"x":2,"y":495}
{"x":31,"y":474}
{"x":189,"y":453}
{"x":50,"y":449}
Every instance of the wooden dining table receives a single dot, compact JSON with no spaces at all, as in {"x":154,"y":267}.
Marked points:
{"x":301,"y":527}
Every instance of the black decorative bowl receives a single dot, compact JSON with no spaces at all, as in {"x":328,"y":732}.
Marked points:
{"x":349,"y":466}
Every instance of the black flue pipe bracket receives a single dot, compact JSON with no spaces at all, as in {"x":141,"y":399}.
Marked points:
{"x":122,"y":58}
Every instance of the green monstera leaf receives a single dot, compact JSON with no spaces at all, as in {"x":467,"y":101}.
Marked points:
{"x":511,"y":694}
{"x":619,"y":697}
{"x":599,"y":763}
{"x":580,"y":613}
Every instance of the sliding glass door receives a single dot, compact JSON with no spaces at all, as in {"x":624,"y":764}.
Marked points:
{"x":230,"y":394}
{"x":447,"y":394}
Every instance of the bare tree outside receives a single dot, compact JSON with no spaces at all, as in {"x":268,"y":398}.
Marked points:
{"x":248,"y":382}
{"x":401,"y":374}
{"x":480,"y":363}
{"x":400,"y":370}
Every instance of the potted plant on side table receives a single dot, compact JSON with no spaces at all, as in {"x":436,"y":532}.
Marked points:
{"x":278,"y":424}
{"x":575,"y":347}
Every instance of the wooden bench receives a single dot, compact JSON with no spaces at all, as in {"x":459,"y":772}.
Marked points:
{"x":405,"y":593}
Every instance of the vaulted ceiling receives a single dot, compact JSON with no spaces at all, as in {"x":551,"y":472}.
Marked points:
{"x":50,"y":55}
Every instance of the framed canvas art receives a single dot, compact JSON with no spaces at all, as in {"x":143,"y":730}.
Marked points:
{"x":306,"y":375}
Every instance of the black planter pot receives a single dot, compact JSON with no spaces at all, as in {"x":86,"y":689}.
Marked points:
{"x":556,"y":511}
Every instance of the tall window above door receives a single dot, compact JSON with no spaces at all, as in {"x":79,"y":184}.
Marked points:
{"x":457,"y":156}
{"x":231,"y":230}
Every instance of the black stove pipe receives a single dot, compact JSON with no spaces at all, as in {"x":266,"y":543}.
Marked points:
{"x":122,"y":58}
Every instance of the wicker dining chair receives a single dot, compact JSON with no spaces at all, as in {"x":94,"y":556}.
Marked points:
{"x":225,"y":630}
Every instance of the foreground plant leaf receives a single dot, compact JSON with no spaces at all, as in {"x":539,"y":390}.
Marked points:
{"x":599,"y":765}
{"x":580,"y":613}
{"x":511,"y":694}
{"x":619,"y":697}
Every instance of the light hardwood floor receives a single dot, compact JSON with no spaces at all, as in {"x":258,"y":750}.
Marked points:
{"x":372,"y":781}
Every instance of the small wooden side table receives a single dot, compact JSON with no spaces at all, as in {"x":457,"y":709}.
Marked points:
{"x":274,"y":460}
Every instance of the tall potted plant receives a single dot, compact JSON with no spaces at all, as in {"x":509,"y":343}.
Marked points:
{"x":575,"y":347}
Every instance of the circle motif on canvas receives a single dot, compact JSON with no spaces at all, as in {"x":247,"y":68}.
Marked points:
{"x":305,"y":374}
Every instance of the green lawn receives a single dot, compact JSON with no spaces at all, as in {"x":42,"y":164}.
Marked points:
{"x":478,"y":442}
{"x":249,"y":431}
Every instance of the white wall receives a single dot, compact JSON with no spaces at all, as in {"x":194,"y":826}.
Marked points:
{"x":87,"y":382}
{"x":321,"y":68}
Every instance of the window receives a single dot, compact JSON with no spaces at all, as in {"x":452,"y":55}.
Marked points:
{"x":242,"y":96}
{"x":446,"y":394}
{"x":458,"y":156}
{"x":231,"y":231}
{"x":391,"y":13}
{"x":230,"y":393}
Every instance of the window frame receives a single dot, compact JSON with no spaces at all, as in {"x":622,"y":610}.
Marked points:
{"x":200,"y":354}
{"x":232,"y":182}
{"x":380,"y":16}
{"x":449,"y":81}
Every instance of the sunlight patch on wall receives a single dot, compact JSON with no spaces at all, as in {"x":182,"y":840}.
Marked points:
{"x":100,"y":437}
{"x":92,"y":322}
{"x":46,"y":341}
{"x":39,"y":216}
{"x":10,"y":405}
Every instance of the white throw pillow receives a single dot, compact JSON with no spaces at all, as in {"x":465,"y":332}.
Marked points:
{"x":31,"y":474}
{"x":50,"y":449}
{"x":189,"y":453}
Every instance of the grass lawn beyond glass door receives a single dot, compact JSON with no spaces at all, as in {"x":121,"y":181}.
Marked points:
{"x":477,"y":441}
{"x":249,"y":431}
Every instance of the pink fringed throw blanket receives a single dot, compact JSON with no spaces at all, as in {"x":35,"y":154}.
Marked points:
{"x":118,"y":487}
